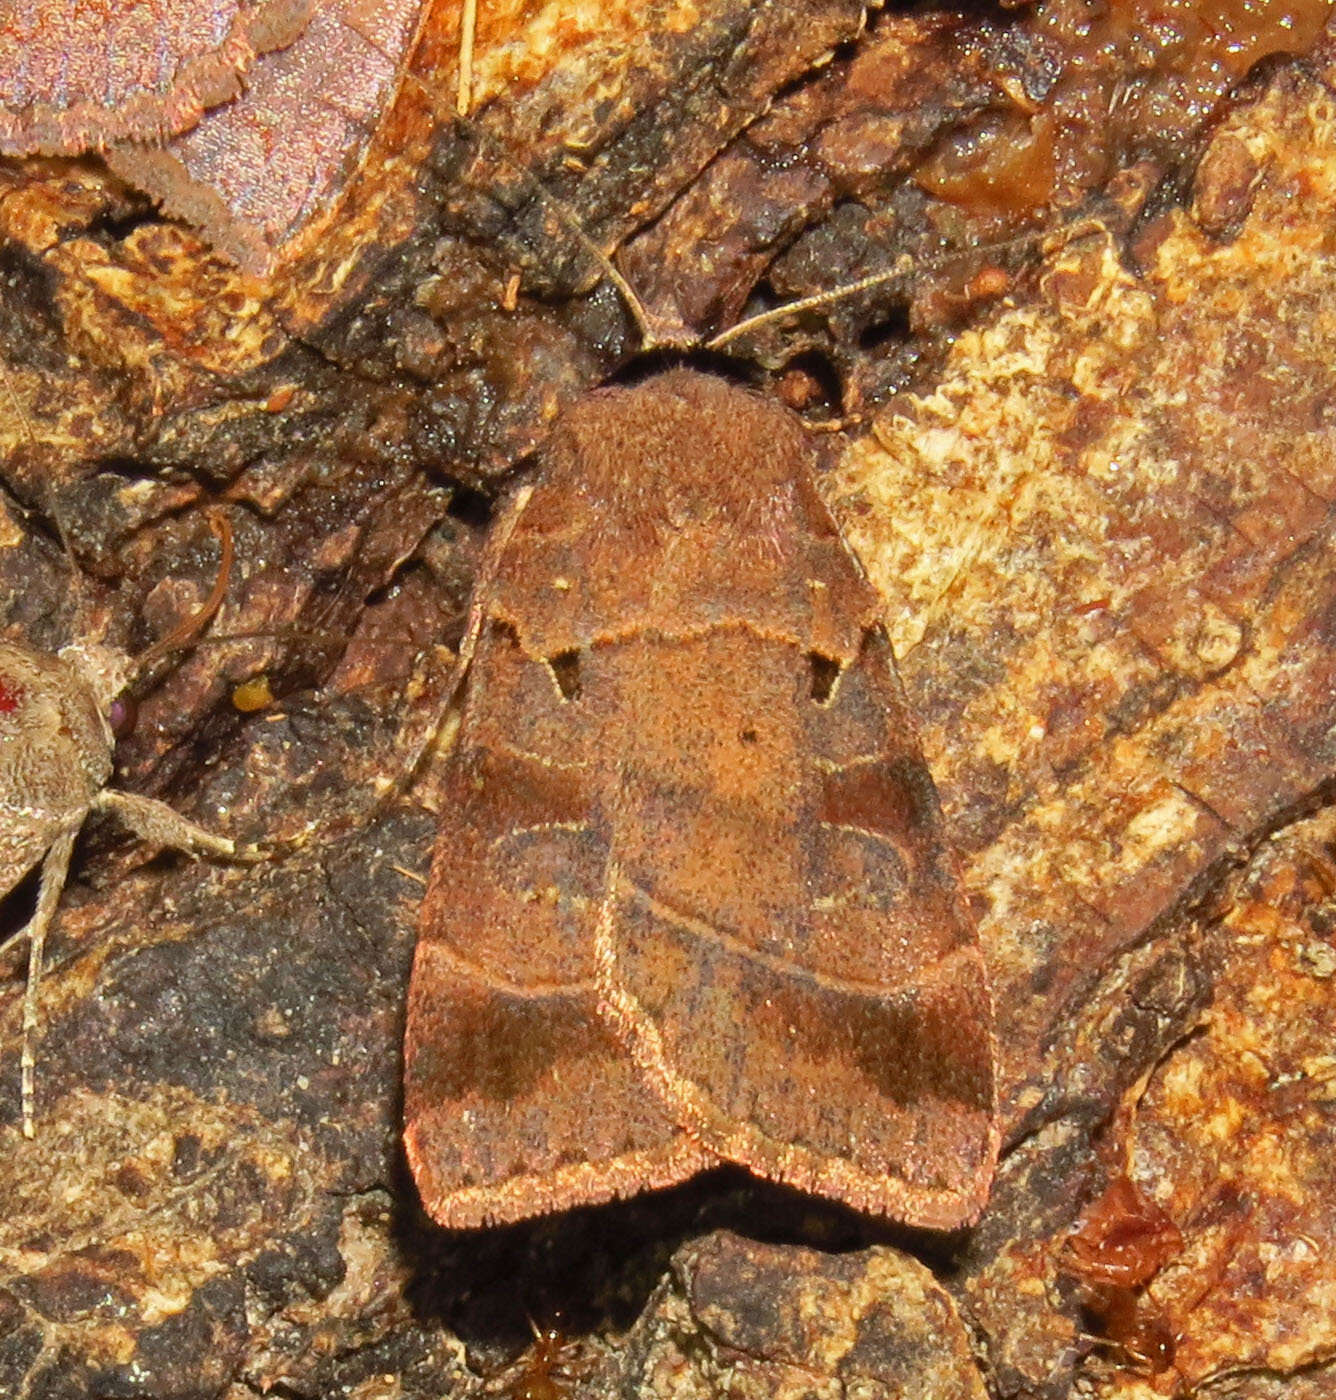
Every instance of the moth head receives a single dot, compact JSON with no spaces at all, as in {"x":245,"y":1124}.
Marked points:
{"x":106,"y":671}
{"x":681,"y":453}
{"x":46,"y":704}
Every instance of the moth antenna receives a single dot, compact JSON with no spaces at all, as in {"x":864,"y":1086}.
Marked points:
{"x":282,"y":632}
{"x":901,"y":271}
{"x":189,"y":628}
{"x":468,"y":21}
{"x":650,"y":338}
{"x":464,"y":102}
{"x":906,"y":265}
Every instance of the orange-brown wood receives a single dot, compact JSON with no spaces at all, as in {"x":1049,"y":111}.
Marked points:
{"x":692,"y":897}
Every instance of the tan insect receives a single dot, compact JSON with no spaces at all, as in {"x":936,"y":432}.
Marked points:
{"x":56,"y":746}
{"x":544,"y":1372}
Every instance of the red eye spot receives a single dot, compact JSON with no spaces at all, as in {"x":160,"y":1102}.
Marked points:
{"x":11,"y":697}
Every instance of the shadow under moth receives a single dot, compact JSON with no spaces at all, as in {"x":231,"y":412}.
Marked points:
{"x":692,"y":899}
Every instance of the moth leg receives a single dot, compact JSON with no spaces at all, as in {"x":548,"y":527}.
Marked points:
{"x":162,"y":825}
{"x":428,"y":735}
{"x":55,"y":867}
{"x":432,"y":710}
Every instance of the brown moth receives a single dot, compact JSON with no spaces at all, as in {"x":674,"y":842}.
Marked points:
{"x":692,"y":898}
{"x":56,"y":746}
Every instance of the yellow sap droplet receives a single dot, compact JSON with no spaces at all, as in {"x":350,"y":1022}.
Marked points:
{"x":252,"y":695}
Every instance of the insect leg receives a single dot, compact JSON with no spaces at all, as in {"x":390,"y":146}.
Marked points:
{"x":157,"y":822}
{"x":55,"y":867}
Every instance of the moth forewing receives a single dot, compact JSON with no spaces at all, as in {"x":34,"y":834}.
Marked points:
{"x":692,"y":897}
{"x":519,"y":1099}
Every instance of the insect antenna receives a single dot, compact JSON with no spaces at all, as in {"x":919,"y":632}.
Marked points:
{"x":189,"y":628}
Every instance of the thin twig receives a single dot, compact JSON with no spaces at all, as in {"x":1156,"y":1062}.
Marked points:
{"x":468,"y":22}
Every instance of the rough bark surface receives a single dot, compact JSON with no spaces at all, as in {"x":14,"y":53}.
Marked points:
{"x":1083,"y":442}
